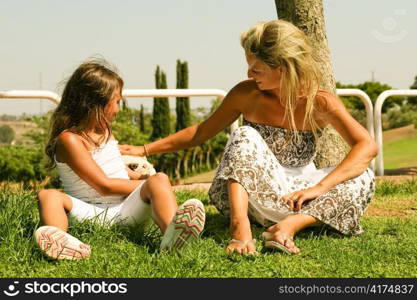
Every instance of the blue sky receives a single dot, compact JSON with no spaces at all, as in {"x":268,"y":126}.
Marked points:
{"x":44,"y":40}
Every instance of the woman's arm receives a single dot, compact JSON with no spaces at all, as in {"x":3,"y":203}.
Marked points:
{"x":363,"y":150}
{"x":73,"y":152}
{"x":229,"y":110}
{"x":363,"y":147}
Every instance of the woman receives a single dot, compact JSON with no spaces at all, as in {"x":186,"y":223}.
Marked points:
{"x":267,"y":172}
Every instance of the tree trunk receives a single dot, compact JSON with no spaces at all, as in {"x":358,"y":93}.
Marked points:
{"x":193,"y":160}
{"x":187,"y":154}
{"x":208,"y":164}
{"x":308,"y":16}
{"x":200,"y":160}
{"x":218,"y":158}
{"x":177,"y":169}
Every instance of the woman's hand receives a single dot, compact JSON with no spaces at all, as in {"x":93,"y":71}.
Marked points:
{"x":132,"y":150}
{"x":295,"y":200}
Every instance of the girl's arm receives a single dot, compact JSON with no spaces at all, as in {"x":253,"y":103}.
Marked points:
{"x":73,"y":152}
{"x":229,"y":110}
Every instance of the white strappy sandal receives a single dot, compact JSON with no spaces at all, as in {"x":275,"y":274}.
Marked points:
{"x":271,"y":244}
{"x":245,"y":243}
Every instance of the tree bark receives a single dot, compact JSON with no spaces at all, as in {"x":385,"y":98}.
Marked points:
{"x":200,"y":160}
{"x":186,"y":159}
{"x":208,"y":164}
{"x":178,"y":168}
{"x":193,"y":161}
{"x":308,"y":16}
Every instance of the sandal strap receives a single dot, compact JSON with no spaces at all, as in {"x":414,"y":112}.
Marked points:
{"x":242,"y":242}
{"x":268,"y":236}
{"x":286,"y":237}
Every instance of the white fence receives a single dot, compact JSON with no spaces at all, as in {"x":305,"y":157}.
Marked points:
{"x":378,"y":123}
{"x":373,"y":118}
{"x":51,"y":96}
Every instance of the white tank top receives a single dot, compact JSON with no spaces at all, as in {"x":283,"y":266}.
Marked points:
{"x":109,"y":159}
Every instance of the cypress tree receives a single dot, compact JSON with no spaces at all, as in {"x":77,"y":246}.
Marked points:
{"x":187,"y":111}
{"x":156,"y":112}
{"x":124,"y":103}
{"x":142,"y":119}
{"x":166,"y":118}
{"x":161,"y":114}
{"x":183,"y":103}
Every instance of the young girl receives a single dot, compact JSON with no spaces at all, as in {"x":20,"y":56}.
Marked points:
{"x":96,"y":182}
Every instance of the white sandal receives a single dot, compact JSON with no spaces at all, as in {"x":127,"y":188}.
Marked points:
{"x":269,"y":243}
{"x":245,"y":243}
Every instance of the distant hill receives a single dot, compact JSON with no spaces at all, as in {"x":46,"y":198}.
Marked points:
{"x":399,"y":133}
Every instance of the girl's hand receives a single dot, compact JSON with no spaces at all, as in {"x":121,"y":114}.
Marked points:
{"x":295,"y":200}
{"x":132,"y":150}
{"x":136,"y":175}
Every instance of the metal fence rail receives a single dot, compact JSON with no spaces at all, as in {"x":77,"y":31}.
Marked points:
{"x":179,"y":93}
{"x":369,"y":109}
{"x":378,"y":123}
{"x":373,"y":114}
{"x":51,"y":96}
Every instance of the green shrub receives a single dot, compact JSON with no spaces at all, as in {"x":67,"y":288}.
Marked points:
{"x":399,"y":116}
{"x":6,"y":134}
{"x":20,"y":163}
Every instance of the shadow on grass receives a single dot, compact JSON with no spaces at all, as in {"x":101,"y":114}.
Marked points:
{"x":217,"y":228}
{"x":145,"y":235}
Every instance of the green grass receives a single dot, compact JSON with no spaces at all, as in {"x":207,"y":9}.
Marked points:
{"x":400,"y":153}
{"x":386,"y":249}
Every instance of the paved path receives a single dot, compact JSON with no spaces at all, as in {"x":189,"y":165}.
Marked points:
{"x":206,"y":186}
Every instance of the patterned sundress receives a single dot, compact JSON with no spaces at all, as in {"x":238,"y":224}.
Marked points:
{"x":269,"y":162}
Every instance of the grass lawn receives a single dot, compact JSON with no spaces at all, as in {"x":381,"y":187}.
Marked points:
{"x":388,"y":248}
{"x":400,"y":147}
{"x":400,"y":154}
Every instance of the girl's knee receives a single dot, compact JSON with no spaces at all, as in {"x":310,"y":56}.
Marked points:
{"x":155,"y":182}
{"x":159,"y":178}
{"x":47,"y":196}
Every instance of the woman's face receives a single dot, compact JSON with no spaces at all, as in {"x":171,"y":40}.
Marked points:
{"x":265,"y":77}
{"x":112,"y":108}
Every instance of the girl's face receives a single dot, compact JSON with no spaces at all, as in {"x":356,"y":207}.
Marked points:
{"x":112,"y":108}
{"x":265,"y":77}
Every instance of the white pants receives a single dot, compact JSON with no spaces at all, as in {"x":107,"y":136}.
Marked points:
{"x":132,"y":210}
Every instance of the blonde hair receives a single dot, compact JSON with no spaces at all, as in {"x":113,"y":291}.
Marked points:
{"x":280,"y":44}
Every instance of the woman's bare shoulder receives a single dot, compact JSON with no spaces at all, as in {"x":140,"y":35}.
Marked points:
{"x":244,"y":87}
{"x":328,"y":102}
{"x":243,"y":91}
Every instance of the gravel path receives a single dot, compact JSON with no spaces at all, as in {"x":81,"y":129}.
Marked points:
{"x":206,"y":186}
